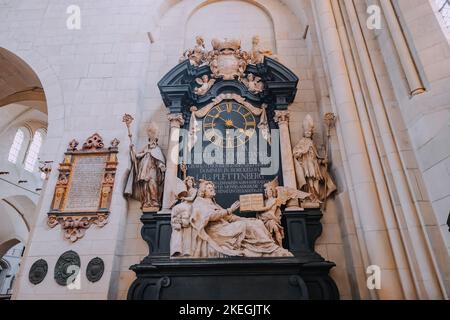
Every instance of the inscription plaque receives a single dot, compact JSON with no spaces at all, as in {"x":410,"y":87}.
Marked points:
{"x":231,"y":180}
{"x":84,"y":187}
{"x":85,"y":183}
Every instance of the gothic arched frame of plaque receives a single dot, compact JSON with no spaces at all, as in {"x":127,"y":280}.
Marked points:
{"x":95,"y":269}
{"x":65,"y":261}
{"x":84,"y":187}
{"x":38,"y":271}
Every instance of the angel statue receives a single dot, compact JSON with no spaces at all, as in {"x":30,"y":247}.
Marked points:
{"x":253,"y":84}
{"x":270,"y":214}
{"x":310,"y":168}
{"x":205,"y":84}
{"x":181,"y":239}
{"x":259,"y":53}
{"x":146,"y":178}
{"x":197,"y":56}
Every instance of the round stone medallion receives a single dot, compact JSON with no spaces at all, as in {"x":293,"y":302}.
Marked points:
{"x":38,"y":271}
{"x":95,"y":269}
{"x":67,"y":268}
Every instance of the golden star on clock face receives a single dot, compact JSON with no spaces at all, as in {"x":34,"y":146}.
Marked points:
{"x":229,"y":124}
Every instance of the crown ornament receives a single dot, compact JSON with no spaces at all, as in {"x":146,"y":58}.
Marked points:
{"x":223,"y":44}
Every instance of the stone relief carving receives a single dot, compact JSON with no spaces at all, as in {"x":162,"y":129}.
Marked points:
{"x":216,"y":232}
{"x":67,"y":268}
{"x":93,"y":142}
{"x":75,"y":226}
{"x":146,"y":178}
{"x":73,"y":145}
{"x":95,"y":269}
{"x":253,"y":84}
{"x":277,"y":196}
{"x":226,"y":59}
{"x":38,"y":271}
{"x":205,"y":84}
{"x":312,"y":169}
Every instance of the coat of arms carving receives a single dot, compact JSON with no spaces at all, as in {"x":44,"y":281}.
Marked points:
{"x":227,"y":60}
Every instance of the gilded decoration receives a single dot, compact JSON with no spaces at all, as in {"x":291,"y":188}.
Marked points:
{"x":84,"y":187}
{"x":226,"y":60}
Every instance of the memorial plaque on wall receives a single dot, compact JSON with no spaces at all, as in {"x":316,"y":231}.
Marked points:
{"x":84,"y":188}
{"x":85,"y":183}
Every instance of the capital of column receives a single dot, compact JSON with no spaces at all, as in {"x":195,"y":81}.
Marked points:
{"x":176,"y":120}
{"x":281,"y":117}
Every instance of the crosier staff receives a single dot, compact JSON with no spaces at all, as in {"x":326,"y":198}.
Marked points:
{"x":128,"y":120}
{"x":329,"y":120}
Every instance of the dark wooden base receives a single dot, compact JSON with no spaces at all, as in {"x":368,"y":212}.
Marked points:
{"x":233,"y":279}
{"x":304,"y":276}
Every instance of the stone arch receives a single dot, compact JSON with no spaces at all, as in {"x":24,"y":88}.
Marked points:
{"x":51,"y":89}
{"x":244,"y":14}
{"x":24,"y":206}
{"x":6,"y":245}
{"x":12,"y":226}
{"x":276,"y":10}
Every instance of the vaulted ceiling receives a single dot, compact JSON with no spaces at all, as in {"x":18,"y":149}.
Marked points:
{"x":19,"y":83}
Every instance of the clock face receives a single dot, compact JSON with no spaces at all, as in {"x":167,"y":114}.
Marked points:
{"x":229,"y":124}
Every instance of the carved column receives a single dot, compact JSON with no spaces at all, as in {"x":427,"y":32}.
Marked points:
{"x":176,"y":121}
{"x":287,"y":160}
{"x":407,"y":61}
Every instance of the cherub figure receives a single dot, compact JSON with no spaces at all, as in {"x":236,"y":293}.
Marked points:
{"x":205,"y":84}
{"x":197,"y":56}
{"x":277,"y":196}
{"x":259,"y":53}
{"x":253,"y":83}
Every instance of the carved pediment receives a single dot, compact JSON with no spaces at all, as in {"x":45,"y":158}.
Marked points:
{"x":264,"y":80}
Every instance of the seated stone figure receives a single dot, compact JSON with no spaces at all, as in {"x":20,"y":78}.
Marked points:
{"x":217,"y":232}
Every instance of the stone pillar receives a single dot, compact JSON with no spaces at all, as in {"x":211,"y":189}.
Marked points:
{"x":386,"y":203}
{"x":176,"y":121}
{"x":428,"y":276}
{"x":369,"y":211}
{"x":406,"y":59}
{"x":287,"y":160}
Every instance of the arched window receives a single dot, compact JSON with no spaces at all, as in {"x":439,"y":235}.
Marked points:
{"x":16,"y":146}
{"x":444,"y":10}
{"x":33,"y":151}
